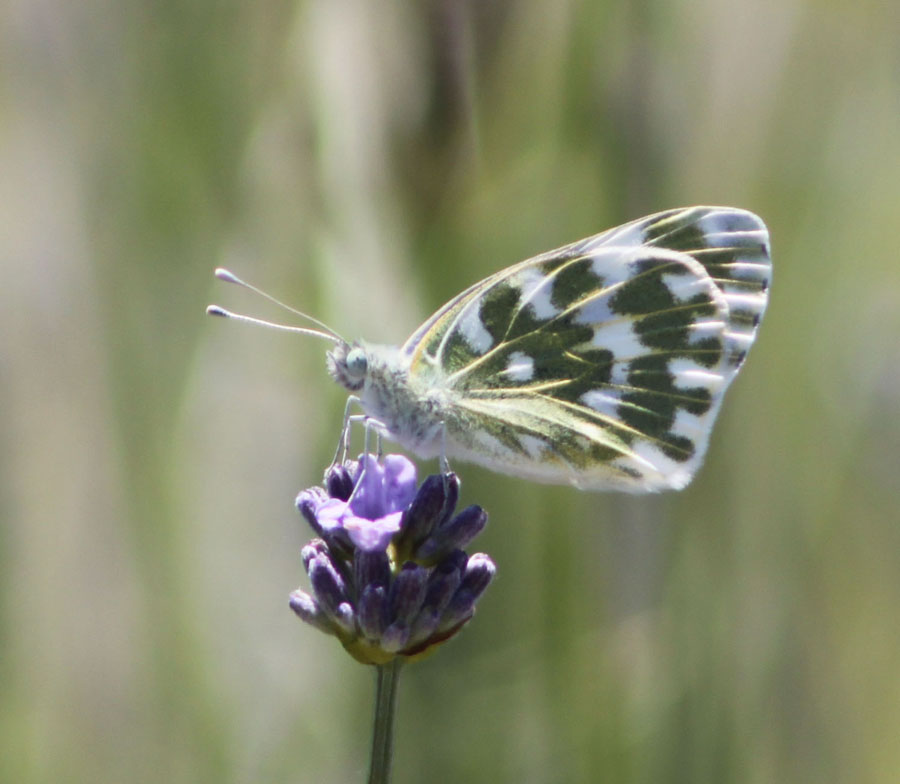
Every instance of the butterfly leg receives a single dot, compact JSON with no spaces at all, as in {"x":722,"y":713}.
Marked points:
{"x":376,"y":426}
{"x":343,"y":447}
{"x":444,"y":462}
{"x":369,"y":425}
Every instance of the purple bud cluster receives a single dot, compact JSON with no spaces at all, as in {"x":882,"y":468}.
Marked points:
{"x":388,"y":572}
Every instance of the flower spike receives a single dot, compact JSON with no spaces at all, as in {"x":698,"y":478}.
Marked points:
{"x":388,"y":574}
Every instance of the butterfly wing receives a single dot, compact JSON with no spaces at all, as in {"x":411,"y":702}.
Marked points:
{"x":603,"y":363}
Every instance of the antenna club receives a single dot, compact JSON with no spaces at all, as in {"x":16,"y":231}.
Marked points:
{"x":223,"y":274}
{"x":215,"y":310}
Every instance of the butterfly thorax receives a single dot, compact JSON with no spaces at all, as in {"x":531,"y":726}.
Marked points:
{"x":410,"y":408}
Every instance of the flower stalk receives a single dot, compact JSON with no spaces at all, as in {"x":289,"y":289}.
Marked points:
{"x":388,"y":676}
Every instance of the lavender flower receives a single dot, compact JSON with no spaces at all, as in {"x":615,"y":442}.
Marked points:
{"x":388,"y":574}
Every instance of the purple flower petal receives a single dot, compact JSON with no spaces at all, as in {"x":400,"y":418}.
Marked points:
{"x":372,"y":534}
{"x":368,"y":499}
{"x":383,"y":487}
{"x":330,"y":515}
{"x":399,"y":482}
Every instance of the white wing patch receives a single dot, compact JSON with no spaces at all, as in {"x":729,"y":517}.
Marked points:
{"x":687,"y":375}
{"x":520,"y":368}
{"x":473,"y":330}
{"x":602,"y":401}
{"x":621,"y":335}
{"x":595,"y":310}
{"x":684,"y":287}
{"x":536,"y":289}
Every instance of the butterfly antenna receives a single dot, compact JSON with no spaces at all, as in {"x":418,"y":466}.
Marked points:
{"x":215,"y":310}
{"x":230,"y":277}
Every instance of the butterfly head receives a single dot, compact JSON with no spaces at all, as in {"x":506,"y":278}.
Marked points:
{"x":348,"y":364}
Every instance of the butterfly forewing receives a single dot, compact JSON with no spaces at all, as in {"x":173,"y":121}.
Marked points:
{"x":602,"y":363}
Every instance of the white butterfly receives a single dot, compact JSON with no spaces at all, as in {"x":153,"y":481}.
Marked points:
{"x":601,"y":364}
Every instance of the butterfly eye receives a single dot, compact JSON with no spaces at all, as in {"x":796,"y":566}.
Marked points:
{"x":357,"y":363}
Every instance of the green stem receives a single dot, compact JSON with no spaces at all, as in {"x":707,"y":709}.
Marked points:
{"x":383,"y":732}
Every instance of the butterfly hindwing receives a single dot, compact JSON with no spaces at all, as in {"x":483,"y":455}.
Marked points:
{"x":602,"y":363}
{"x":733,"y":247}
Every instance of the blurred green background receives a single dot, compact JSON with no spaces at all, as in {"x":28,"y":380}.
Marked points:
{"x":365,"y":161}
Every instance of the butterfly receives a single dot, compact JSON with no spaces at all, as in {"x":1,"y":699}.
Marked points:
{"x":601,"y":364}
